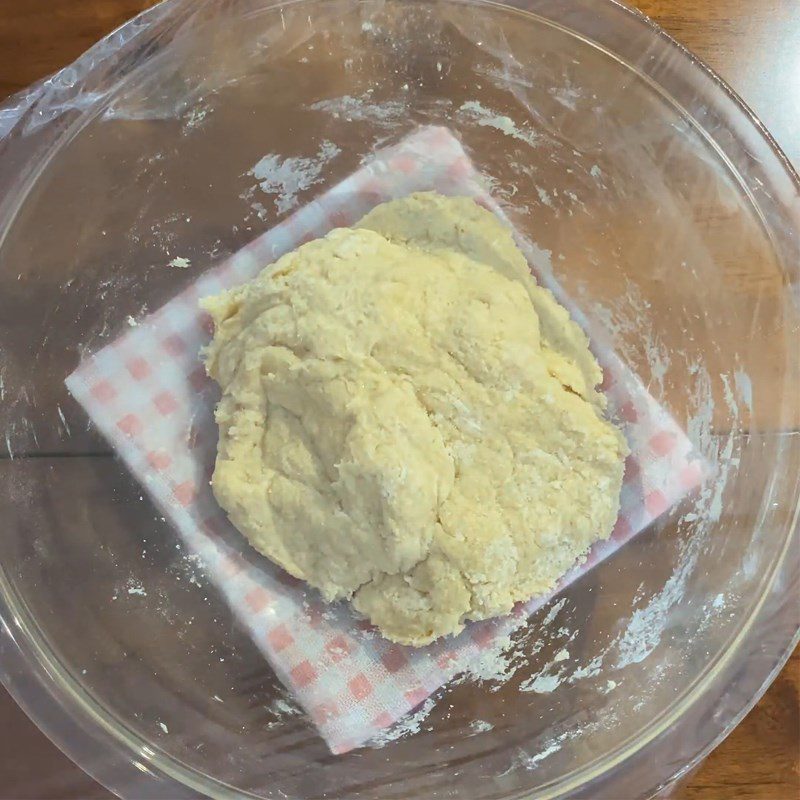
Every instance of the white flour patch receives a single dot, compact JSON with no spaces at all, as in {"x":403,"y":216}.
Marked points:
{"x":494,"y":664}
{"x":553,"y":611}
{"x":555,"y":743}
{"x":590,"y":670}
{"x":646,"y":626}
{"x":134,"y":587}
{"x":490,"y":183}
{"x":718,"y":607}
{"x":566,"y":96}
{"x":473,"y":111}
{"x":544,"y":197}
{"x":405,"y":727}
{"x":502,"y":193}
{"x":260,"y":209}
{"x":480,"y":726}
{"x":385,"y":113}
{"x":531,"y":761}
{"x":744,"y":388}
{"x":562,"y":655}
{"x":192,"y":568}
{"x":555,"y":672}
{"x":541,"y":259}
{"x":282,"y":708}
{"x":195,"y":117}
{"x":542,"y":683}
{"x":285,"y":178}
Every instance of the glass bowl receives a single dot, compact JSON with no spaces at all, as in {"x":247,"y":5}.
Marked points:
{"x":668,"y":215}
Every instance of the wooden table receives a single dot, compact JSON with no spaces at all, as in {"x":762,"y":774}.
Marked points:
{"x":755,"y":46}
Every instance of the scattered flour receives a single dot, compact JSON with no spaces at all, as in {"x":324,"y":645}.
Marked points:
{"x":285,"y":178}
{"x":531,"y":761}
{"x":544,"y":197}
{"x":472,"y":110}
{"x":194,"y":117}
{"x":408,"y":725}
{"x":646,"y":626}
{"x":590,"y":670}
{"x":542,"y":684}
{"x":134,"y":587}
{"x":502,"y":193}
{"x":495,"y":664}
{"x":553,"y":612}
{"x":480,"y":726}
{"x":562,"y":655}
{"x":385,"y":113}
{"x":744,"y":387}
{"x":567,"y":96}
{"x":190,"y":567}
{"x":554,"y":744}
{"x":283,"y":708}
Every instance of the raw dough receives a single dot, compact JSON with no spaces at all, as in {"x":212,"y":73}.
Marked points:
{"x":409,"y":421}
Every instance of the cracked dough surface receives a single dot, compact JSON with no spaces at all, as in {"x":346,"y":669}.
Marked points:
{"x":408,"y":421}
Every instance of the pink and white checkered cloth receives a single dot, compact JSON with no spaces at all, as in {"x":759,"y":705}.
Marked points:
{"x":147,"y":392}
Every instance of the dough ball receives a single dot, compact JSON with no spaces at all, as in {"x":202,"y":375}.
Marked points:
{"x":409,"y":422}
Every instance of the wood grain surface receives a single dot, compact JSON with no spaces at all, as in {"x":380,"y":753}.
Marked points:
{"x":755,"y":46}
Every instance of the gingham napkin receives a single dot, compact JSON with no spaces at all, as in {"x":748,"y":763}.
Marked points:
{"x":147,"y":392}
